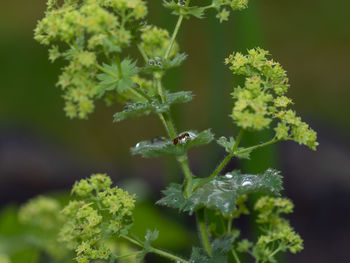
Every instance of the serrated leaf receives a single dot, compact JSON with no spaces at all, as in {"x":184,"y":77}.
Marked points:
{"x":179,"y":97}
{"x":220,"y":247}
{"x":159,"y":148}
{"x":150,"y":237}
{"x":228,"y":144}
{"x":196,"y":11}
{"x":176,"y":61}
{"x":147,"y":244}
{"x":156,"y":64}
{"x":243,"y":155}
{"x":134,"y":110}
{"x":112,"y":79}
{"x":186,"y":11}
{"x":222,"y":192}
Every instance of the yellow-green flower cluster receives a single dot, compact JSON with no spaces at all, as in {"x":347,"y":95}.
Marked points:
{"x":100,"y":213}
{"x":239,"y":4}
{"x":278,"y":234}
{"x":134,"y":8}
{"x":41,"y":215}
{"x":4,"y":258}
{"x":82,"y":32}
{"x":270,"y":209}
{"x":41,"y":211}
{"x":155,"y":42}
{"x":262,"y":98}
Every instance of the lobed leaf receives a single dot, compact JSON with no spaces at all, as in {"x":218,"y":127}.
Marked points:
{"x":222,"y":192}
{"x":167,"y":147}
{"x":186,"y":11}
{"x":228,"y":144}
{"x":133,"y":110}
{"x":147,"y":244}
{"x":115,"y":78}
{"x":219,"y":247}
{"x":156,"y":64}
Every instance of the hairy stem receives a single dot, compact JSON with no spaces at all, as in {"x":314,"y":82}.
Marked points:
{"x":173,"y":37}
{"x":275,"y":252}
{"x":203,"y":231}
{"x":143,"y":53}
{"x":187,"y":190}
{"x":234,"y":253}
{"x":224,"y":162}
{"x":169,"y":126}
{"x":131,"y":254}
{"x":158,"y":81}
{"x":155,"y":250}
{"x":120,"y":71}
{"x":229,"y":225}
{"x":249,"y":149}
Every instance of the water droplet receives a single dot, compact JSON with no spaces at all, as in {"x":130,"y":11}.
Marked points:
{"x":182,"y":3}
{"x":158,"y":61}
{"x":247,"y":183}
{"x":157,"y":139}
{"x":192,"y":135}
{"x":229,"y":176}
{"x":138,"y":145}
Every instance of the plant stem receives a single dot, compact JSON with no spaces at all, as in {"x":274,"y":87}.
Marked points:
{"x":173,"y":37}
{"x":169,"y":126}
{"x":234,"y":253}
{"x":158,"y":81}
{"x":156,"y":250}
{"x":238,"y":140}
{"x":143,"y":53}
{"x":187,"y":190}
{"x":229,"y":225}
{"x":120,"y":71}
{"x":127,"y":255}
{"x":275,"y":252}
{"x":168,"y":255}
{"x":258,"y":146}
{"x":224,"y":162}
{"x":202,"y":226}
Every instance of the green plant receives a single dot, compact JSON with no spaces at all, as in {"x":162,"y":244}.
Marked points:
{"x":93,"y":36}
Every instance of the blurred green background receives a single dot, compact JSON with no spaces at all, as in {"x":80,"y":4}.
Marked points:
{"x":42,"y":151}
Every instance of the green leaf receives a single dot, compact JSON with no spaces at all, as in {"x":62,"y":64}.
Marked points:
{"x":243,"y":155}
{"x":150,"y":237}
{"x":147,"y":244}
{"x":228,"y":144}
{"x":115,"y":78}
{"x":156,"y":64}
{"x":186,"y":11}
{"x":134,"y":110}
{"x":222,"y":192}
{"x":179,"y":97}
{"x":176,"y":61}
{"x":159,"y":148}
{"x":220,"y":247}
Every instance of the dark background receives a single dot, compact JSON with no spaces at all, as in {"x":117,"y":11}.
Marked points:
{"x":42,"y":151}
